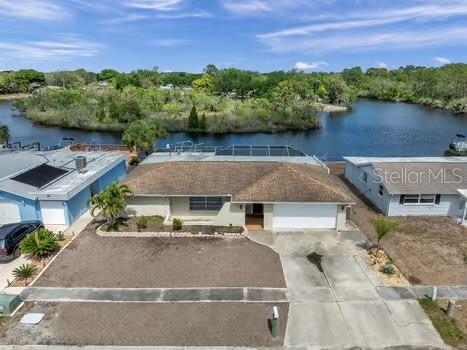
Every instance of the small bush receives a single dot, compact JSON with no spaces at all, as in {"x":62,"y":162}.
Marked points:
{"x":141,"y":222}
{"x":388,"y":269}
{"x":40,"y":244}
{"x":60,"y":236}
{"x":176,"y":224}
{"x":25,"y":272}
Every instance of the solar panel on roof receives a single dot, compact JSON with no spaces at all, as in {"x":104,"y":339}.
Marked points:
{"x":40,"y":176}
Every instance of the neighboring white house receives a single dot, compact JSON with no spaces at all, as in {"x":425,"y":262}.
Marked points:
{"x":272,"y":195}
{"x":47,"y":186}
{"x":422,"y":186}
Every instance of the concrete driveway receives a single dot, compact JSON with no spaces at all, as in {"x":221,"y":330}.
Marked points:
{"x":340,"y":307}
{"x":6,"y":270}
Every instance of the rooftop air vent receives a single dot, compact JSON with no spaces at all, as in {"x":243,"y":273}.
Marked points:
{"x":80,"y":162}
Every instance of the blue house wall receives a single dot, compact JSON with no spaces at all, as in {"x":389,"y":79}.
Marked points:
{"x":116,"y":173}
{"x":28,"y":209}
{"x":78,"y":205}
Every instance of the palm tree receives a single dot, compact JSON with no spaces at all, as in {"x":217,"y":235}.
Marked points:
{"x":111,"y":202}
{"x":383,"y":226}
{"x":4,"y":134}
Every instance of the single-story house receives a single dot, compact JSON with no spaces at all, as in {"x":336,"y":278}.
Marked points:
{"x":54,"y":186}
{"x":421,"y":186}
{"x":273,"y":195}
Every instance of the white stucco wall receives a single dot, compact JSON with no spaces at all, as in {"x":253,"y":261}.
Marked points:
{"x":267,"y":221}
{"x":145,"y":205}
{"x":231,"y":214}
{"x":370,"y":189}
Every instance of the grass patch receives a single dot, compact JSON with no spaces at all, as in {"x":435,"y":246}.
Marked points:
{"x":446,"y":326}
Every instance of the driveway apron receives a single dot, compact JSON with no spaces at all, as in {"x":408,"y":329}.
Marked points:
{"x":334,"y":300}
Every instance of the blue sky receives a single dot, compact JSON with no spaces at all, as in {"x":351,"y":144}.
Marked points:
{"x":263,"y":35}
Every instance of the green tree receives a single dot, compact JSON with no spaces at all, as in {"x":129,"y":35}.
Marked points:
{"x":210,"y":69}
{"x":202,"y":122}
{"x":4,"y":134}
{"x":107,"y":74}
{"x":24,"y":79}
{"x":383,"y":226}
{"x":284,"y":94}
{"x":204,"y":84}
{"x":353,"y":76}
{"x":141,"y":135}
{"x":111,"y":202}
{"x":193,"y":121}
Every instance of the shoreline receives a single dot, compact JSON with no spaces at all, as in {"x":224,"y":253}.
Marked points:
{"x":12,"y":97}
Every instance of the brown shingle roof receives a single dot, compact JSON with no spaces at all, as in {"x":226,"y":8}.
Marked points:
{"x":245,"y":181}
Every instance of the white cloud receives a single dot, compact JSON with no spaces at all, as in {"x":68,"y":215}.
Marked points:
{"x":132,"y":17}
{"x":181,"y":15}
{"x":170,"y":42}
{"x":442,"y":60}
{"x":381,"y":65}
{"x":312,"y":65}
{"x":63,"y":48}
{"x":158,"y":5}
{"x":368,"y":40}
{"x":246,"y":7}
{"x":375,"y":28}
{"x":44,"y":10}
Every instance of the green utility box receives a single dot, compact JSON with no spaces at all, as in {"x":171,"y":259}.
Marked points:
{"x":8,"y":303}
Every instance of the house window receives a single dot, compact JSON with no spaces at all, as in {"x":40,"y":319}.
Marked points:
{"x":411,"y":199}
{"x":421,"y":199}
{"x":427,"y":199}
{"x":364,"y":176}
{"x":205,"y":203}
{"x":381,"y":190}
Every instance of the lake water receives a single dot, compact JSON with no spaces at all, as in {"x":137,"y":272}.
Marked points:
{"x":371,"y":128}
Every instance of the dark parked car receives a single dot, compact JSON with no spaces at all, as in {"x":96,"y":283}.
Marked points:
{"x":12,"y":234}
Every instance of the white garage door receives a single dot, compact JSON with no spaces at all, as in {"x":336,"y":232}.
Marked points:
{"x":9,"y":212}
{"x":303,"y":216}
{"x":53,"y":213}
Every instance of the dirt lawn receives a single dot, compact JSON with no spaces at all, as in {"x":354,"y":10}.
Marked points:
{"x":94,"y":261}
{"x":426,"y":250}
{"x":144,"y":324}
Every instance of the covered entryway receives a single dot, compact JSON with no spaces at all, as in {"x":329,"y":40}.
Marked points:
{"x":9,"y":212}
{"x":254,"y":216}
{"x":304,"y":216}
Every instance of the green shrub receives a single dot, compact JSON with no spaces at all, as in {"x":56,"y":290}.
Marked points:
{"x":388,"y":269}
{"x":141,"y":222}
{"x":176,"y":224}
{"x":25,"y":272}
{"x":40,"y":244}
{"x":60,"y":236}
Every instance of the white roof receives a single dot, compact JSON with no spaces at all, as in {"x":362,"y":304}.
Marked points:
{"x":98,"y":163}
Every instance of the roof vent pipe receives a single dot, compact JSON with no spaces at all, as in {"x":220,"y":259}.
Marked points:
{"x":80,"y":162}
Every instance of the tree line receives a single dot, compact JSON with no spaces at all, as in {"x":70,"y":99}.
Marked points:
{"x":223,"y":100}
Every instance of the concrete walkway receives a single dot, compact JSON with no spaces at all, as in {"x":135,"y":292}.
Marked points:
{"x":341,"y":306}
{"x":416,"y":292}
{"x":161,"y":295}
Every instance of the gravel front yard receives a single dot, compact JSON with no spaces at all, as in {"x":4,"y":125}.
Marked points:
{"x":428,"y":250}
{"x":93,"y":261}
{"x":141,"y":324}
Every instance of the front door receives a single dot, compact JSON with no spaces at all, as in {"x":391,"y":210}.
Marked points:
{"x":254,"y":218}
